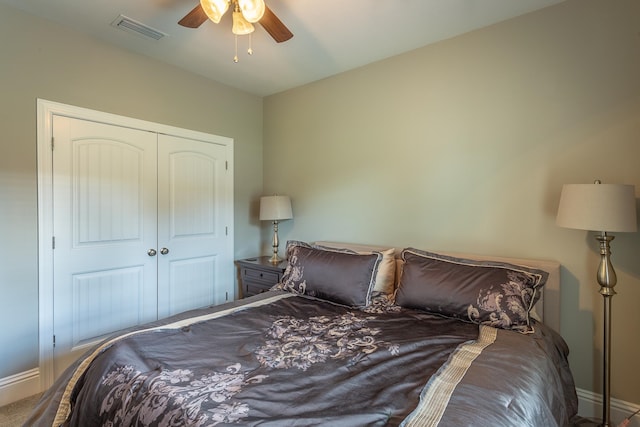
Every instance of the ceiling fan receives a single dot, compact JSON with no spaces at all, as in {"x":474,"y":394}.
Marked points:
{"x":245,"y":13}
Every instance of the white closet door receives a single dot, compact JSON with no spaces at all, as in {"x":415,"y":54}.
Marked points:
{"x":195,"y":267}
{"x":105,"y":222}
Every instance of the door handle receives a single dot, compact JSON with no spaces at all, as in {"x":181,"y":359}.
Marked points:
{"x":151,"y":252}
{"x":164,"y":251}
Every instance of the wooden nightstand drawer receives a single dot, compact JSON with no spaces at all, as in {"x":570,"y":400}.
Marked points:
{"x":254,"y":289}
{"x":259,"y":274}
{"x":263,"y":276}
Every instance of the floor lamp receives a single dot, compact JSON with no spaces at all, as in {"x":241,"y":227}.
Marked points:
{"x":603,"y":208}
{"x":275,"y":208}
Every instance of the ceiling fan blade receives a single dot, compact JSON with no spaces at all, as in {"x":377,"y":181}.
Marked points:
{"x":274,"y":26}
{"x":195,"y":18}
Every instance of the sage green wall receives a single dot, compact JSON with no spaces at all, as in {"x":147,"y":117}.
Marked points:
{"x":39,"y":59}
{"x":464,"y":145}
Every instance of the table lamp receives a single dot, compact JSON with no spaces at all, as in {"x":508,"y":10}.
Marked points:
{"x":275,"y":208}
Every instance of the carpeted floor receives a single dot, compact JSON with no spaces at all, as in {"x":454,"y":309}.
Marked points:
{"x":15,"y":413}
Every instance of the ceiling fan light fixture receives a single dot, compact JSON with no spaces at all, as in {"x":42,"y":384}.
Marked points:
{"x":214,"y":9}
{"x":240,"y":25}
{"x":252,"y":10}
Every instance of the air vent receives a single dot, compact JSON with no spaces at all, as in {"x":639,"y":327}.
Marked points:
{"x":131,"y":25}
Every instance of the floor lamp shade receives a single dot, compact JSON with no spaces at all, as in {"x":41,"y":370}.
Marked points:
{"x":598,"y":207}
{"x":275,"y":208}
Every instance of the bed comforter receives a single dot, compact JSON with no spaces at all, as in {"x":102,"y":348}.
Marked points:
{"x":282,"y":359}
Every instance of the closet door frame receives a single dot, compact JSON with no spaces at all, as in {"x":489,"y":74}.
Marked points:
{"x":46,"y":110}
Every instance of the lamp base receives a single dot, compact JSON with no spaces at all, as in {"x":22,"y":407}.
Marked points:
{"x":274,"y":244}
{"x":607,"y":280}
{"x":275,"y":259}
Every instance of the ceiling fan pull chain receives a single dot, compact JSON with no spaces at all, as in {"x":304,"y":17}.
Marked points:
{"x":235,"y":58}
{"x":250,"y":50}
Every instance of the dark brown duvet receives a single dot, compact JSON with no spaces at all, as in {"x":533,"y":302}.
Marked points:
{"x":285,"y":360}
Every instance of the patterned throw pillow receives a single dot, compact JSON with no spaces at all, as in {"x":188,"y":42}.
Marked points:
{"x":343,"y":278}
{"x":491,"y":293}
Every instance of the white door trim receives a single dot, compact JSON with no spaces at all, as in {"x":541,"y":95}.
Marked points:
{"x":45,"y":112}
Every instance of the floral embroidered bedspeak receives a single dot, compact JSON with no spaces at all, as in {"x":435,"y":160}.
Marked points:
{"x":281,"y":359}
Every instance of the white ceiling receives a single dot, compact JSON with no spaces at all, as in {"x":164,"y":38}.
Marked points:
{"x":330,"y":36}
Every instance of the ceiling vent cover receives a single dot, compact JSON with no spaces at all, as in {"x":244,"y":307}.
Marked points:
{"x":131,"y":25}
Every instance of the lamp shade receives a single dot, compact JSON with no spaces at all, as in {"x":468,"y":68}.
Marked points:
{"x":241,"y":26}
{"x":252,"y":10}
{"x":275,"y":208}
{"x":214,"y":9}
{"x":598,"y":207}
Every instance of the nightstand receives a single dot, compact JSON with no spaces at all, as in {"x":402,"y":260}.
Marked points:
{"x":259,"y":274}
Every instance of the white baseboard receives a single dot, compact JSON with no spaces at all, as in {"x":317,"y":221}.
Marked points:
{"x":590,"y":406}
{"x":19,"y":386}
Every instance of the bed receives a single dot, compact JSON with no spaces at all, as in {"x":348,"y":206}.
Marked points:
{"x":353,"y":335}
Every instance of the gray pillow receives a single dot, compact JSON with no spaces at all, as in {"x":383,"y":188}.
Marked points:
{"x":492,"y":293}
{"x":386,"y":276}
{"x":343,"y":278}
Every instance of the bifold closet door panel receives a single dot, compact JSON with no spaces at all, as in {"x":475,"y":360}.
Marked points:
{"x":194,"y":266}
{"x":105,"y":227}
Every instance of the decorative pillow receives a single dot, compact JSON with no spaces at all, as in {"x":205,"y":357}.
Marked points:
{"x":334,"y":276}
{"x":386,"y":277}
{"x":492,"y":293}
